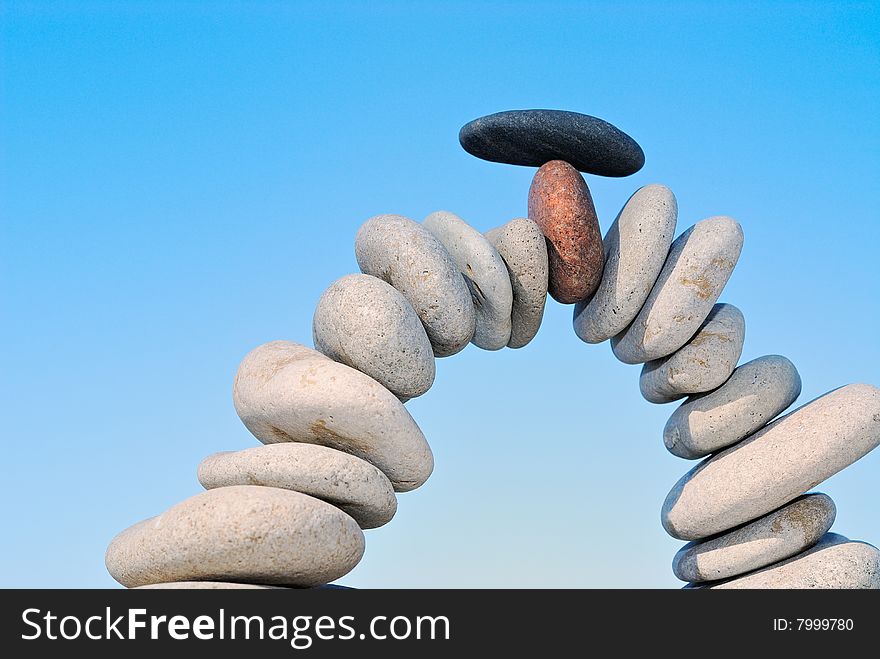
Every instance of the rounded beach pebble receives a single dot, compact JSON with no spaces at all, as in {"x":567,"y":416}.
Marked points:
{"x":561,"y":205}
{"x":406,"y":255}
{"x":245,"y":533}
{"x":778,"y":463}
{"x":349,"y":483}
{"x":699,"y":264}
{"x":535,"y":137}
{"x":835,"y":562}
{"x":769,"y":539}
{"x":701,"y":364}
{"x":365,"y":323}
{"x":635,"y":248}
{"x":285,"y":392}
{"x":523,"y":248}
{"x":753,"y":396}
{"x":484,"y":272}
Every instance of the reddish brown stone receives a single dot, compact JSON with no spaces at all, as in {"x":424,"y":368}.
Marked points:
{"x":560,"y":203}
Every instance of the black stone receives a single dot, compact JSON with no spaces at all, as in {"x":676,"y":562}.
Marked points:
{"x":534,"y":137}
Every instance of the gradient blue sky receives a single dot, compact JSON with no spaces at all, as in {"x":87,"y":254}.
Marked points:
{"x":180,"y":182}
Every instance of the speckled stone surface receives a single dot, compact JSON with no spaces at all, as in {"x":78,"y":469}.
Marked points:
{"x":752,"y":397}
{"x":524,"y":250}
{"x":778,"y":463}
{"x":769,"y":539}
{"x":484,"y":272}
{"x":245,"y":533}
{"x":366,"y":323}
{"x":561,"y":205}
{"x":699,"y":264}
{"x":285,"y":392}
{"x":701,"y":364}
{"x":535,"y":137}
{"x":835,"y":562}
{"x":349,"y":483}
{"x":406,"y":255}
{"x":635,"y":248}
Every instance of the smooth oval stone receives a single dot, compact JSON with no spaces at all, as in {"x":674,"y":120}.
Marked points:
{"x":702,"y":364}
{"x":769,"y":539}
{"x":835,"y":562}
{"x":484,"y":272}
{"x":206,"y":585}
{"x":366,"y":323}
{"x":246,"y":533}
{"x":524,"y":250}
{"x":699,"y":264}
{"x":535,"y":137}
{"x":405,"y":254}
{"x":635,"y":248}
{"x":753,"y":396}
{"x":349,"y":483}
{"x":285,"y":392}
{"x":561,"y":205}
{"x":778,"y":463}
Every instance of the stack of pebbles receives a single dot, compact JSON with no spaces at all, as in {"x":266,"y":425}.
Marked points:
{"x":338,"y":442}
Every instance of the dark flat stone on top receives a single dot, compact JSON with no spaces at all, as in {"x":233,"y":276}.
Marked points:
{"x":535,"y":137}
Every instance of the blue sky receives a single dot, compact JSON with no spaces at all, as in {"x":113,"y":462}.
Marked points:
{"x":180,"y":182}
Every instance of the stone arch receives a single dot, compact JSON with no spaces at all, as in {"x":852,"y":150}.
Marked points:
{"x":339,"y":443}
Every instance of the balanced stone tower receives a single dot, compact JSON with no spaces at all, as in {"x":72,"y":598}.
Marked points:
{"x":338,"y":442}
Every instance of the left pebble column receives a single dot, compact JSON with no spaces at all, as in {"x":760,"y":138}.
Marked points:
{"x":338,"y":442}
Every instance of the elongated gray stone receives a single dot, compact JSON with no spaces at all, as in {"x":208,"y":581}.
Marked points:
{"x":835,"y":562}
{"x":285,"y":392}
{"x":407,"y":256}
{"x":636,"y":246}
{"x":534,"y":137}
{"x":349,"y":483}
{"x":753,"y":396}
{"x":779,"y":535}
{"x":366,"y":323}
{"x":778,"y":463}
{"x":245,"y":533}
{"x":484,"y":272}
{"x":523,"y":247}
{"x":699,"y":264}
{"x":701,"y":364}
